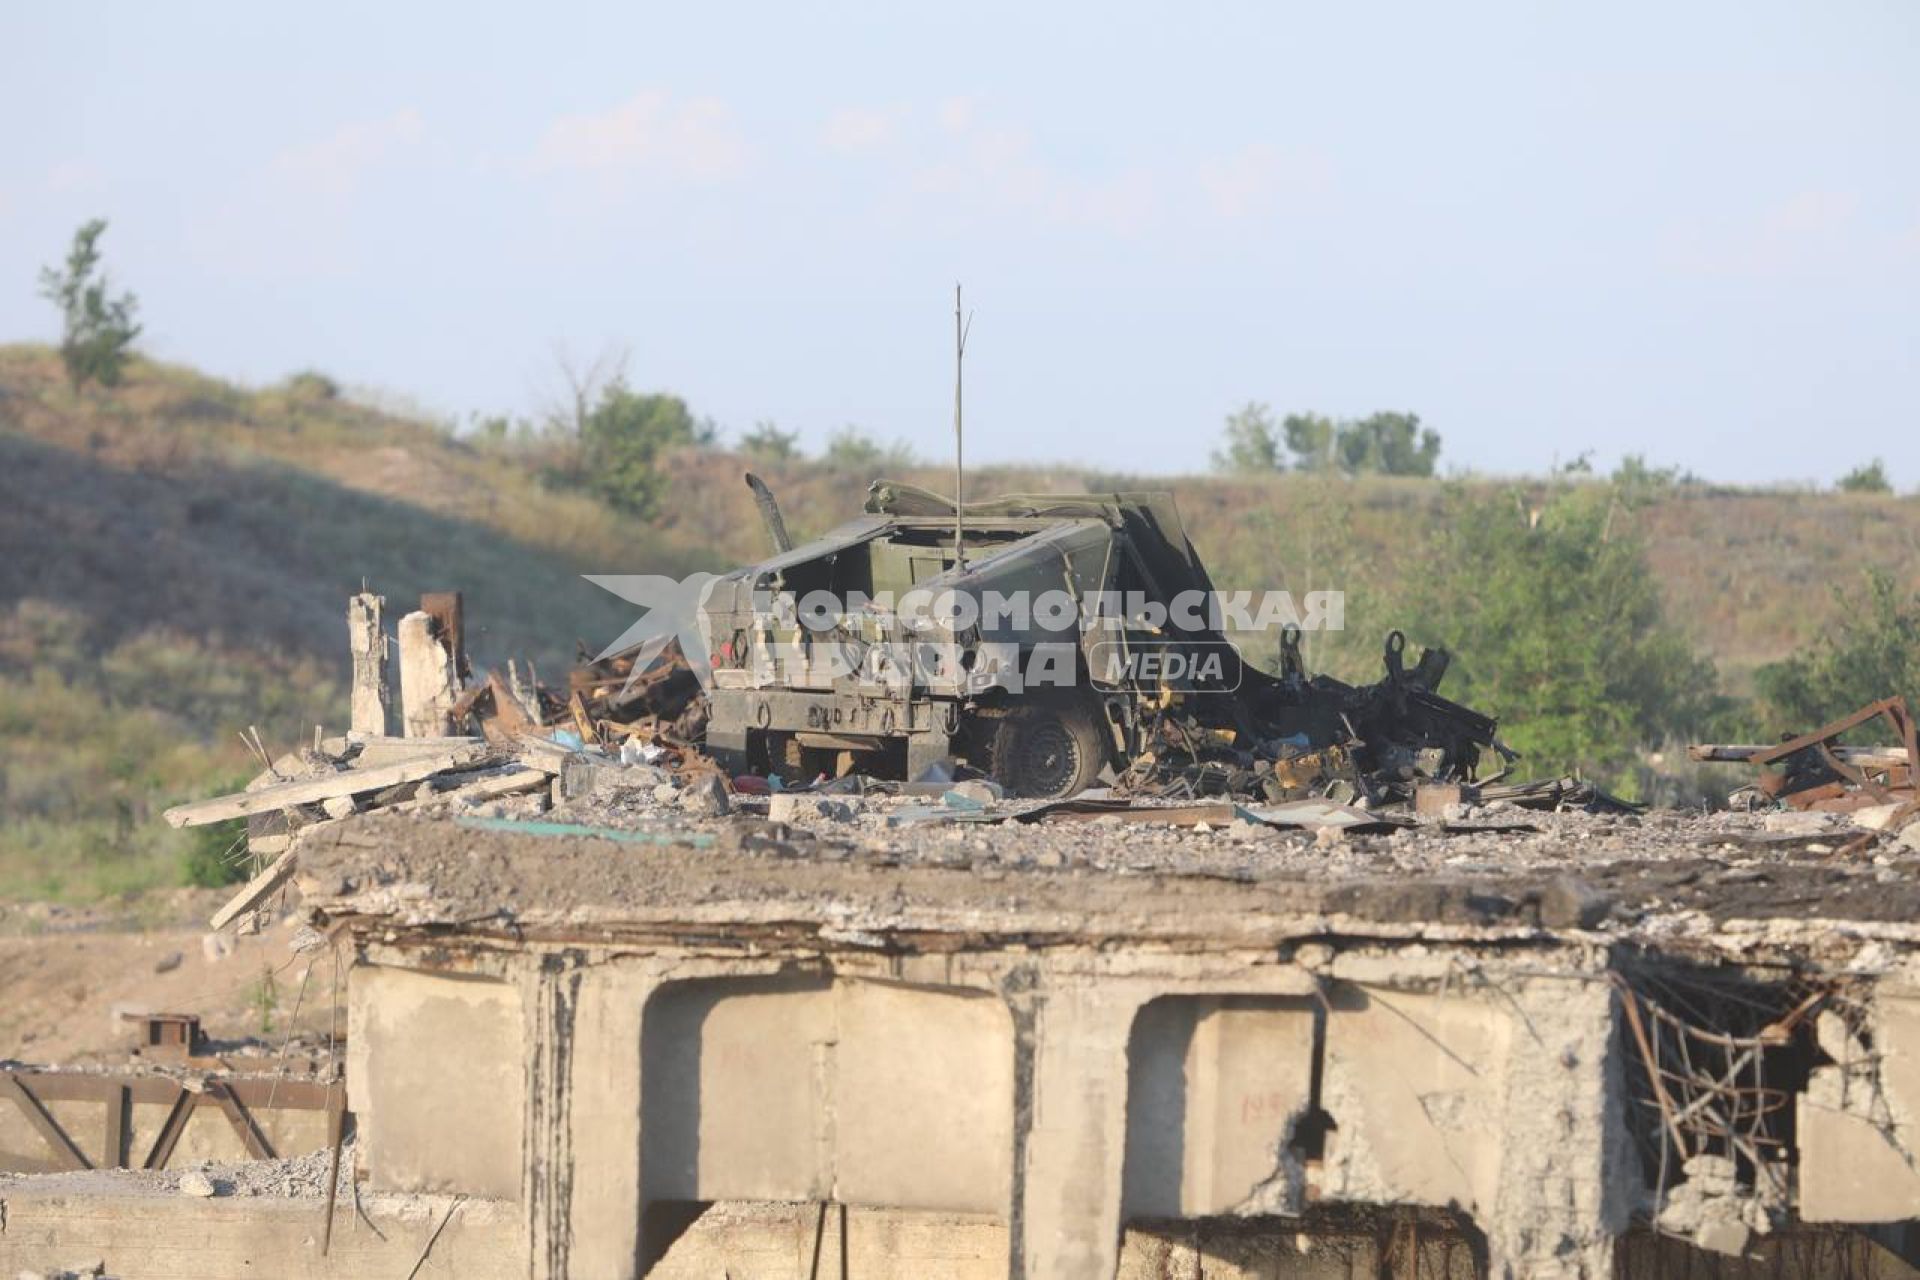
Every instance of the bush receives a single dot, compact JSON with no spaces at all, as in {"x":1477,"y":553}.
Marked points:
{"x":1871,"y":478}
{"x":1557,"y":628}
{"x":1252,"y":444}
{"x":310,"y":384}
{"x":851,"y":449}
{"x":215,"y":855}
{"x":622,"y":439}
{"x":768,"y":442}
{"x":1391,"y":444}
{"x":1870,"y":655}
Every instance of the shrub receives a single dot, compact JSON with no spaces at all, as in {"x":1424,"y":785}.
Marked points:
{"x":97,"y":330}
{"x":310,"y":384}
{"x":1252,"y":442}
{"x":1870,"y":654}
{"x":1392,"y":444}
{"x":1558,"y":629}
{"x":215,"y":855}
{"x":622,"y":439}
{"x":851,"y":449}
{"x":1870,"y":478}
{"x":768,"y":441}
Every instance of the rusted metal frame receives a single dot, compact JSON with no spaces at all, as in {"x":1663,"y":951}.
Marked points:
{"x":1902,"y":719}
{"x":242,"y":1121}
{"x":447,"y":609}
{"x":170,"y":1130}
{"x":1859,"y":777}
{"x":77,"y":1086}
{"x":1895,"y":709}
{"x":336,"y":1133}
{"x":1630,"y":1001}
{"x":1709,"y":1088}
{"x":114,"y":1153}
{"x":64,"y":1150}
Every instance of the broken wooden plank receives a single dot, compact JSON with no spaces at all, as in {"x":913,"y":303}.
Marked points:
{"x":504,"y":784}
{"x":509,"y":719}
{"x":353,"y":782}
{"x":256,"y":890}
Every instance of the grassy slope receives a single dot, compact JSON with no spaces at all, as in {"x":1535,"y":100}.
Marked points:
{"x":174,"y":564}
{"x":174,"y":560}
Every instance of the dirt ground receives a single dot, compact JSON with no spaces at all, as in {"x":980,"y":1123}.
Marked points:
{"x":70,"y":973}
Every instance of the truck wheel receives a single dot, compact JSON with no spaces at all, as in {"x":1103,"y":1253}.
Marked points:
{"x":1047,"y":749}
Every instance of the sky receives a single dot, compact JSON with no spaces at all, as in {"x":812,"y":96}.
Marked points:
{"x":1690,"y":232}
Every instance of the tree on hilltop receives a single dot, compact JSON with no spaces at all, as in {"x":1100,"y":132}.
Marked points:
{"x":97,"y":329}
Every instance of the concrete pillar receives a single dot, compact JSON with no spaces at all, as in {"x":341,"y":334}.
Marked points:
{"x":367,"y":642}
{"x":1066,"y":1212}
{"x":602,"y":1112}
{"x":427,"y":684}
{"x":1566,"y":1181}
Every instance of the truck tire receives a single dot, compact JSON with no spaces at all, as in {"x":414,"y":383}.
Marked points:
{"x":1047,"y":749}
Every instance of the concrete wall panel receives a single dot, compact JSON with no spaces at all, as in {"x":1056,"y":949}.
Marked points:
{"x":438,"y":1065}
{"x":1414,"y":1083}
{"x":1215,"y":1085}
{"x":804,"y":1089}
{"x":925,"y":1098}
{"x":1859,"y":1122}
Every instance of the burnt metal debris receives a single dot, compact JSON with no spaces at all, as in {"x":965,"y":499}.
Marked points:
{"x":1297,"y":736}
{"x":1816,"y":771}
{"x":1218,"y":727}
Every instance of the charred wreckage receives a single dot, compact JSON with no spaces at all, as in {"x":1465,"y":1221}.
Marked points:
{"x":1044,"y":640}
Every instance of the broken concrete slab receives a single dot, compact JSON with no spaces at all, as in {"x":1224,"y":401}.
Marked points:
{"x":788,"y":806}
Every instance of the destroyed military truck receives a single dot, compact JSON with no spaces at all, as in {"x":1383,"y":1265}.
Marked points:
{"x":1038,"y":639}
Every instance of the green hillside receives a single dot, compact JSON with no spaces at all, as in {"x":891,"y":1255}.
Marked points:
{"x":177,"y":562}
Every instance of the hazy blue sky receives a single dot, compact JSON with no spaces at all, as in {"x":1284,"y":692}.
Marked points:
{"x":1689,"y":230}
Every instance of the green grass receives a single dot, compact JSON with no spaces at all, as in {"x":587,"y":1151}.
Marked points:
{"x":86,"y":768}
{"x":179,"y":558}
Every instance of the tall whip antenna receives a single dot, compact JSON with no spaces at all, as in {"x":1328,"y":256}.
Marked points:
{"x":960,"y":331}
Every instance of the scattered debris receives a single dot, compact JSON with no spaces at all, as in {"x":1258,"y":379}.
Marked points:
{"x":1815,"y":771}
{"x":1133,"y":674}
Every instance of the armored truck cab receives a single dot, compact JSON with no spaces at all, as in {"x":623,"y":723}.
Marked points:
{"x":877,"y":648}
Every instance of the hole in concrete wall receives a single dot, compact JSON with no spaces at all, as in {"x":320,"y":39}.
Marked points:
{"x":1220,"y":1104}
{"x":1715,"y":1057}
